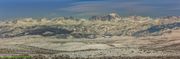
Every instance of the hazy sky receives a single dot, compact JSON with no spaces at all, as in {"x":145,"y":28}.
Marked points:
{"x":50,"y":8}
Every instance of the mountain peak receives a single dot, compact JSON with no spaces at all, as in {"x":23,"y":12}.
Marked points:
{"x":114,"y":14}
{"x":109,"y":17}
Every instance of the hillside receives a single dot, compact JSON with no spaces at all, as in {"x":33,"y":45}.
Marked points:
{"x":64,"y":28}
{"x":111,"y":36}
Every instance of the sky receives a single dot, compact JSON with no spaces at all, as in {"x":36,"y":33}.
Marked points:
{"x":84,"y":8}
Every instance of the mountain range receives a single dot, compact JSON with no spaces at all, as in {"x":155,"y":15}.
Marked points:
{"x":97,"y":26}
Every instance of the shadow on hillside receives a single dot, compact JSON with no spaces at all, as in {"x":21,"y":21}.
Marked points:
{"x":157,"y":28}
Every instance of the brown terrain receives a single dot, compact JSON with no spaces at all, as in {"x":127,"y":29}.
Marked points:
{"x":165,"y":46}
{"x":124,"y":38}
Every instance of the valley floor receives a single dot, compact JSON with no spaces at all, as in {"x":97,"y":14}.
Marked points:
{"x":165,"y":45}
